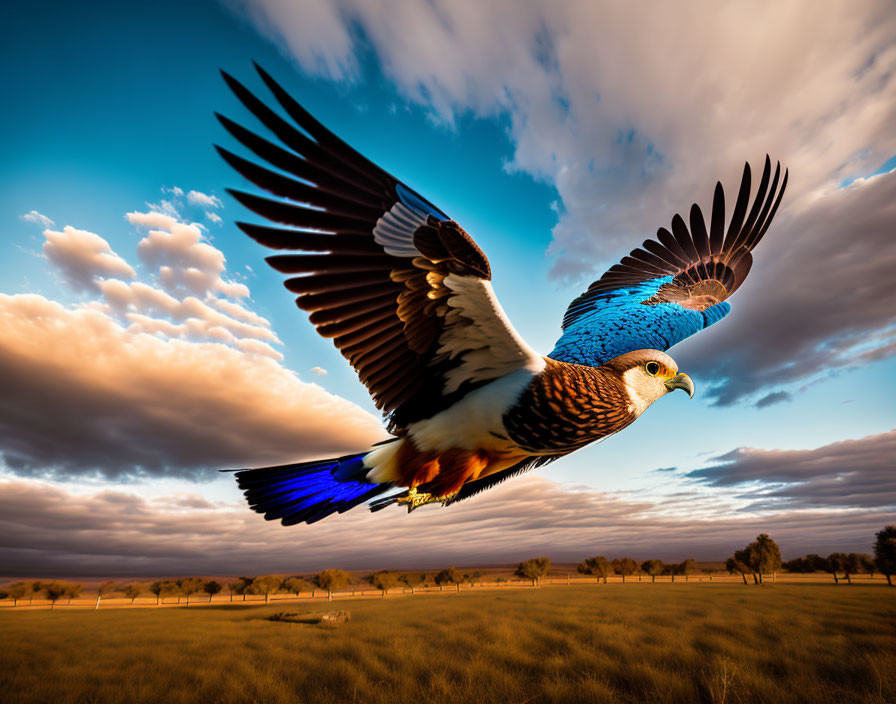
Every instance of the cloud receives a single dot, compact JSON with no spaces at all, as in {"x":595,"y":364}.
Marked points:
{"x":83,"y":258}
{"x":204,"y":200}
{"x":318,"y":371}
{"x":84,"y":395}
{"x":852,"y":473}
{"x":120,"y":533}
{"x":38,"y":219}
{"x":163,"y":375}
{"x":818,"y":300}
{"x":626,"y":149}
{"x":152,"y":310}
{"x":773,"y":398}
{"x":213,"y":217}
{"x":184,"y":261}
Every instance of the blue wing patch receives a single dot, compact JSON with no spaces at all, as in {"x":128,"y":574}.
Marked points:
{"x":621,"y":322}
{"x":412,"y":200}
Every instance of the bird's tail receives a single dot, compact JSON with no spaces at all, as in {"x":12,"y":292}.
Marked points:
{"x":306,"y":492}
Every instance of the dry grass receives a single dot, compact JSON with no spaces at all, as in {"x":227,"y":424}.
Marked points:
{"x":614,"y":643}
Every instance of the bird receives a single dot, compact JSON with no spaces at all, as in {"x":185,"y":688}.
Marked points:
{"x":405,"y":294}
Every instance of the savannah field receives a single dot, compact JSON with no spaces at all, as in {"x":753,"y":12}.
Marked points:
{"x":636,"y":642}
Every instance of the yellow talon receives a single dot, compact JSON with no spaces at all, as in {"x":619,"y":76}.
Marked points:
{"x":414,"y":499}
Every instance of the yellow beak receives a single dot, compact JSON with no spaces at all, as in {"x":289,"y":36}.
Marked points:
{"x":681,"y":381}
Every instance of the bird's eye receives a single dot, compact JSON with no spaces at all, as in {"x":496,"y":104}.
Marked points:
{"x":652,"y":368}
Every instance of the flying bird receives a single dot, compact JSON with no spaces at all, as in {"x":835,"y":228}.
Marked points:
{"x":405,"y":294}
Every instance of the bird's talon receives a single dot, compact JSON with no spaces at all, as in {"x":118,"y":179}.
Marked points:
{"x":415,"y":499}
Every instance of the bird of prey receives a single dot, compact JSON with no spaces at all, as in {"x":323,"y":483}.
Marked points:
{"x":405,"y":294}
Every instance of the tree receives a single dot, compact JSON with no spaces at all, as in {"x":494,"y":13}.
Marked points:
{"x":534,"y":569}
{"x":885,"y":552}
{"x":35,"y":587}
{"x":867,"y":564}
{"x":763,"y":556}
{"x":413,"y":579}
{"x":157,"y":588}
{"x":447,"y":576}
{"x":653,"y":568}
{"x":472,"y":577}
{"x":233,"y":586}
{"x":384,"y":580}
{"x":597,"y":566}
{"x":800,"y":565}
{"x":854,"y":565}
{"x":72,"y":590}
{"x":241,"y":586}
{"x":54,"y":591}
{"x":332,"y":579}
{"x":267,"y":585}
{"x":687,"y":567}
{"x":625,"y":566}
{"x":211,"y":588}
{"x":190,"y":585}
{"x":817,"y":563}
{"x":296,"y":585}
{"x":837,"y":562}
{"x":670,"y":569}
{"x":733,"y":564}
{"x":171,"y":587}
{"x":133,"y":590}
{"x":102,"y":590}
{"x":18,"y":590}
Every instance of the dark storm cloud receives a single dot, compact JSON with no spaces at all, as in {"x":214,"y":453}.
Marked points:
{"x":819,"y":299}
{"x":49,"y":531}
{"x":852,"y":473}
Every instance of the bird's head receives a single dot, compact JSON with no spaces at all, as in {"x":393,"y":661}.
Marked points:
{"x":649,"y":375}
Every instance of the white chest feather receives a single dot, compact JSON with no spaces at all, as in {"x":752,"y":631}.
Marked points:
{"x":475,"y":420}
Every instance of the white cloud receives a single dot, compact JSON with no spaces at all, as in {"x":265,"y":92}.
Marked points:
{"x":318,"y":371}
{"x":83,"y":258}
{"x":213,"y":217}
{"x":86,"y":394}
{"x":185,"y":263}
{"x":630,"y":114}
{"x":163,"y":374}
{"x":38,"y":219}
{"x":203,"y":200}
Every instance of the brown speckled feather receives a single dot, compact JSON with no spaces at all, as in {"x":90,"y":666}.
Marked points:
{"x":568,"y":406}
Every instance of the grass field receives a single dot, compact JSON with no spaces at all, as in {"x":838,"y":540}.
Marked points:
{"x":607,"y":643}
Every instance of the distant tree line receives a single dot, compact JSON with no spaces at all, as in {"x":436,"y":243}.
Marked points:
{"x":53,"y":591}
{"x":762,"y":557}
{"x":601,"y":568}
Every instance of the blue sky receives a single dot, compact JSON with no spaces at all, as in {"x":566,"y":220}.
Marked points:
{"x":110,"y":107}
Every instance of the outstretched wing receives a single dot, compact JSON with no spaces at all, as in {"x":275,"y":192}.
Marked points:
{"x":401,"y":289}
{"x":675,"y":285}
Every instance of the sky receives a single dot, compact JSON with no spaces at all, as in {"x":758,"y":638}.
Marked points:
{"x":144,"y":343}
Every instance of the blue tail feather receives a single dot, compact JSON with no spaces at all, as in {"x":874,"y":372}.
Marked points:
{"x":306,"y":492}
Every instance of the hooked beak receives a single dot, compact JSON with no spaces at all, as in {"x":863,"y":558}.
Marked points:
{"x":681,"y":381}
